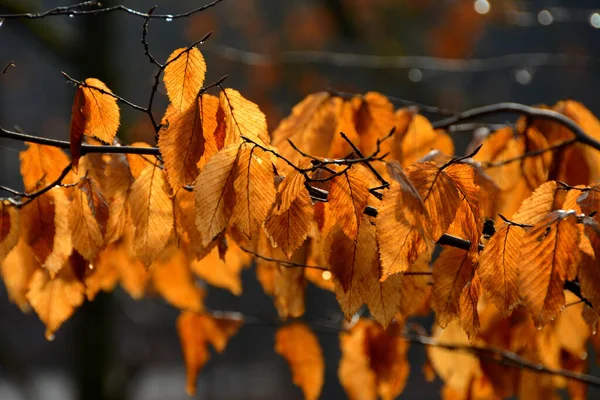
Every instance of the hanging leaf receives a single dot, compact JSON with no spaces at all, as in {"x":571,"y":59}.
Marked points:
{"x":243,"y":118}
{"x":540,"y":203}
{"x":77,"y":127}
{"x":467,"y":311}
{"x":117,"y":195}
{"x":87,"y":219}
{"x":301,"y":349}
{"x":151,"y":213}
{"x":498,"y":268}
{"x":215,"y":196}
{"x":292,"y":217}
{"x":9,"y":228}
{"x":549,"y":255}
{"x":589,"y":273}
{"x":184,"y":75}
{"x":196,"y":331}
{"x":41,"y":165}
{"x":374,"y":120}
{"x":420,"y":139}
{"x":254,"y":189}
{"x":100,"y":112}
{"x":16,"y":270}
{"x":55,"y":299}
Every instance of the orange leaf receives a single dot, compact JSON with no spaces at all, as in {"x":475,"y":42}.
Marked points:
{"x":102,"y":274}
{"x":41,"y":165}
{"x":374,"y":120}
{"x":9,"y":228}
{"x":117,"y":194}
{"x":439,"y":194}
{"x":55,"y":299}
{"x":301,"y":349}
{"x":373,"y":361}
{"x":138,"y":162}
{"x":468,"y":314}
{"x":87,"y":219}
{"x":184,"y":76}
{"x":548,"y":255}
{"x":243,"y":118}
{"x":451,"y":272}
{"x":535,"y":207}
{"x":401,"y":221}
{"x":195,"y":332}
{"x":348,"y":197}
{"x":498,"y":268}
{"x":292,"y":218}
{"x":254,"y":189}
{"x":77,"y":127}
{"x":100,"y":110}
{"x":420,"y":139}
{"x":173,"y":280}
{"x":151,"y":213}
{"x":215,"y":197}
{"x":589,"y":273}
{"x":17,"y":270}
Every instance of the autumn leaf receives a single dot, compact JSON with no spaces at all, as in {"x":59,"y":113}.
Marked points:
{"x":41,"y":165}
{"x":374,"y":120}
{"x":16,"y":270}
{"x":151,"y":213}
{"x":439,"y":194}
{"x":301,"y":349}
{"x":451,"y":272}
{"x":467,"y":307}
{"x":401,"y":221}
{"x":419,"y":139}
{"x":184,"y":75}
{"x":254,"y":188}
{"x":541,"y":202}
{"x":77,"y":127}
{"x":9,"y":228}
{"x":173,"y":280}
{"x":243,"y":118}
{"x":499,"y":267}
{"x":138,"y":162}
{"x":549,"y":253}
{"x":100,"y":113}
{"x":102,"y":274}
{"x":196,"y":331}
{"x":589,"y":273}
{"x":87,"y":219}
{"x":214,"y":192}
{"x":291,"y":220}
{"x":348,"y":197}
{"x":373,"y":362}
{"x":117,"y":194}
{"x":55,"y":299}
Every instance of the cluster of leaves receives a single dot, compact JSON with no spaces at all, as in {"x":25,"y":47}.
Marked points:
{"x":358,"y":214}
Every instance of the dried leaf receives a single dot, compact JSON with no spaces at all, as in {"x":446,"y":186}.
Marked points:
{"x":16,"y":270}
{"x":100,"y":110}
{"x":540,"y":203}
{"x":9,"y":228}
{"x":243,"y":118}
{"x":184,"y":76}
{"x":468,"y":314}
{"x":117,"y":194}
{"x":41,"y":165}
{"x":301,"y":349}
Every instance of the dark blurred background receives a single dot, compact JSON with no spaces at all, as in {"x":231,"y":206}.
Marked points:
{"x":275,"y":52}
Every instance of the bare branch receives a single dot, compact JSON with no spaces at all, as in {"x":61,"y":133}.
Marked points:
{"x":10,"y":64}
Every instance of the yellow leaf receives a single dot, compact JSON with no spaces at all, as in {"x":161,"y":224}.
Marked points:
{"x":100,"y":111}
{"x":87,"y":219}
{"x":301,"y":349}
{"x":55,"y":299}
{"x":173,"y":280}
{"x":215,"y":196}
{"x":548,"y":255}
{"x":254,"y":188}
{"x":151,"y":213}
{"x":243,"y":118}
{"x":498,"y":268}
{"x":292,"y":217}
{"x":184,"y":76}
{"x":195,"y":332}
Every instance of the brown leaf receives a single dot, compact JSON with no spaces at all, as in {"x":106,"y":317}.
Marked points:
{"x":548,"y":253}
{"x":151,"y":213}
{"x":498,"y":268}
{"x":55,"y":299}
{"x":215,"y":196}
{"x":243,"y":118}
{"x":9,"y":228}
{"x":451,"y":272}
{"x":301,"y":349}
{"x":468,"y":314}
{"x":77,"y":127}
{"x":184,"y":76}
{"x":173,"y":280}
{"x":439,"y":194}
{"x":292,"y":217}
{"x":196,"y":331}
{"x":87,"y":219}
{"x":589,"y":273}
{"x":254,"y":188}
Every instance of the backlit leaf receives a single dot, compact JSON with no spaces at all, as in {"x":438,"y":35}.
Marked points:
{"x":100,"y":110}
{"x":16,"y":270}
{"x":9,"y":228}
{"x":243,"y":118}
{"x":468,"y":314}
{"x":41,"y":165}
{"x":184,"y":76}
{"x":301,"y":349}
{"x":540,"y":203}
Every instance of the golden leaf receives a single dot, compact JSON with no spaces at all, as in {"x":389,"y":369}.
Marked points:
{"x":254,"y":188}
{"x":535,"y":207}
{"x":184,"y":76}
{"x":151,"y":213}
{"x":138,"y":162}
{"x":16,"y":270}
{"x":301,"y":349}
{"x":243,"y":118}
{"x":87,"y":219}
{"x":439,"y":194}
{"x":173,"y":280}
{"x":451,"y":272}
{"x":103,"y":274}
{"x":9,"y":228}
{"x":100,"y":110}
{"x":374,"y":120}
{"x":55,"y":299}
{"x":548,"y":254}
{"x":420,"y":139}
{"x":536,"y":169}
{"x":196,"y":331}
{"x":215,"y":196}
{"x":498,"y":268}
{"x":41,"y":165}
{"x":117,"y":194}
{"x":292,"y":218}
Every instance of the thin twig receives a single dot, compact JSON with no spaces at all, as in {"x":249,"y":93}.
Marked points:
{"x":9,"y":65}
{"x":283,"y":263}
{"x":531,"y":153}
